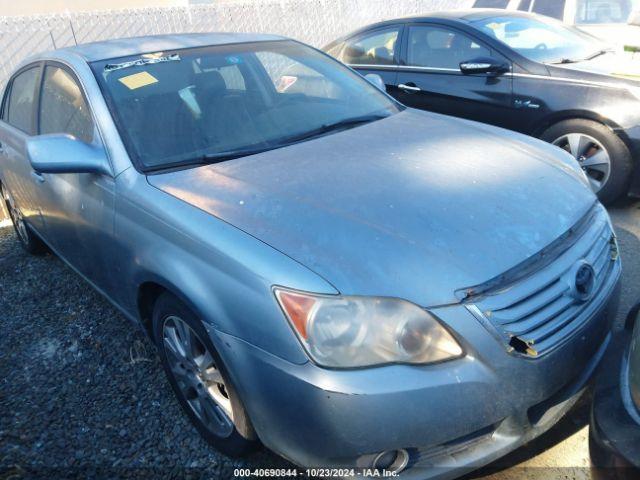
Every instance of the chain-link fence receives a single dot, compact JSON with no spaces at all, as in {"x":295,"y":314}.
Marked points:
{"x":313,"y":21}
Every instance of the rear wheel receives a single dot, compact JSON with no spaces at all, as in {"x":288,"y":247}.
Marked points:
{"x":29,"y":240}
{"x":199,"y":378}
{"x":602,"y":155}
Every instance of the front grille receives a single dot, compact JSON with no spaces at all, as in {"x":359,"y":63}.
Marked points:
{"x":538,"y":312}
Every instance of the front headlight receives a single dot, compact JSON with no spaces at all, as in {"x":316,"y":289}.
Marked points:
{"x":348,"y":332}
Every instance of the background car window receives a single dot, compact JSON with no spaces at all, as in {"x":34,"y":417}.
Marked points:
{"x":437,"y":47}
{"x":525,"y":5}
{"x":292,"y":77}
{"x":375,"y":48}
{"x":604,"y":11}
{"x":62,"y":106}
{"x":491,"y":4}
{"x":20,"y":108}
{"x":550,"y":8}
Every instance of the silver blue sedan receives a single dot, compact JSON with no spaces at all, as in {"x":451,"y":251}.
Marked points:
{"x":354,"y":283}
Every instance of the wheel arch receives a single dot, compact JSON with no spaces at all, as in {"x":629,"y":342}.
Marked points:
{"x":615,"y":128}
{"x":147,"y":293}
{"x":562,"y":116}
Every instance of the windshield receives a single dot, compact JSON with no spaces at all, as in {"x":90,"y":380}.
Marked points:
{"x":541,"y":40}
{"x":202,"y":105}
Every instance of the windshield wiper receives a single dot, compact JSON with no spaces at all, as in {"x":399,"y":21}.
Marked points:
{"x":563,"y":61}
{"x":332,"y":127}
{"x":208,"y":159}
{"x":211,"y":158}
{"x":599,"y":53}
{"x":590,"y":57}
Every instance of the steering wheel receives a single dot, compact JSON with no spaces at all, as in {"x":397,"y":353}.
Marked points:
{"x":541,"y":46}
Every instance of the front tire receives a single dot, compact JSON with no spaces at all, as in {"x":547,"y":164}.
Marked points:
{"x":603,"y":156}
{"x":28,"y":240}
{"x":199,"y":378}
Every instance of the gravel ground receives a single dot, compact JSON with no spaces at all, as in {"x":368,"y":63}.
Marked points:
{"x":82,"y":393}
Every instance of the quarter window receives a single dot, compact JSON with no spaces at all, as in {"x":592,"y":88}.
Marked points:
{"x":63,"y":108}
{"x":375,"y":48}
{"x":437,"y":47}
{"x":21,"y":100}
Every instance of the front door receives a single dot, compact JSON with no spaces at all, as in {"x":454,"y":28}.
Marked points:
{"x":430,"y":77}
{"x":78,"y":208}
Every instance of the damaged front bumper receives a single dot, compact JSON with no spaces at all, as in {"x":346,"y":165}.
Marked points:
{"x":451,"y":418}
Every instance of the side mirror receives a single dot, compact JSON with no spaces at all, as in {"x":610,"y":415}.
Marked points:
{"x":64,"y":154}
{"x":634,"y":18}
{"x":483,"y":65}
{"x":376,"y":80}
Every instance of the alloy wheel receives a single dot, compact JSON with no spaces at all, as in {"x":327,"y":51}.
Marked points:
{"x":198,"y":378}
{"x":593,"y":158}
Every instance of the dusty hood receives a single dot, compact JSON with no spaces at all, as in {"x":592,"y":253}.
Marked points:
{"x":615,"y":69}
{"x":414,"y":206}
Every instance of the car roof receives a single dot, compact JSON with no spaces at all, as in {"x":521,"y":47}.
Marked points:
{"x":464,"y":15}
{"x":124,"y":47}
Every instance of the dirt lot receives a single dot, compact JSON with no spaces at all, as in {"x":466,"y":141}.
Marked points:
{"x":82,"y":393}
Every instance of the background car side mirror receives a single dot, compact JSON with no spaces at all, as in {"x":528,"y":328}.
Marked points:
{"x":59,"y":153}
{"x":376,"y":81}
{"x":483,"y":65}
{"x":634,"y":18}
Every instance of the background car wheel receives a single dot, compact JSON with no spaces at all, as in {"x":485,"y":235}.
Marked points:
{"x":29,"y":240}
{"x":601,"y":153}
{"x":605,"y":466}
{"x":199,"y":378}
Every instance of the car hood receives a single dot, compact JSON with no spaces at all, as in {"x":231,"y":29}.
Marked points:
{"x":614,"y":69}
{"x":416,"y":205}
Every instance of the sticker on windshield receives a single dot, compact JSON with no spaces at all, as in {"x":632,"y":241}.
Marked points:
{"x":233,"y":60}
{"x":138,"y":80}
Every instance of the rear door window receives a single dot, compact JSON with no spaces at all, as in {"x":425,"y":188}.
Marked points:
{"x":22,"y":99}
{"x":372,"y":48}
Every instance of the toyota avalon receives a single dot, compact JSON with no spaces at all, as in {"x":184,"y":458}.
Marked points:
{"x":351,"y":282}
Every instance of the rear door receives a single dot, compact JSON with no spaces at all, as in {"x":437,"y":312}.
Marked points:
{"x":375,"y":51}
{"x":429,"y":76}
{"x":18,"y":124}
{"x":78,"y":208}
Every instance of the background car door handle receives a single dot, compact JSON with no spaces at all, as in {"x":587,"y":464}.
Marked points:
{"x":410,"y":87}
{"x":39,"y":178}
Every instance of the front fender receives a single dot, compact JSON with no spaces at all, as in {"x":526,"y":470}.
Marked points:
{"x":223,"y":274}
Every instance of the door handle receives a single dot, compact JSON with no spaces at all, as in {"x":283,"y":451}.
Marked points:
{"x":38,"y":177}
{"x":411,"y":88}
